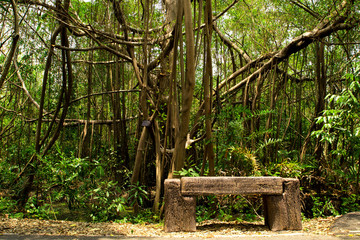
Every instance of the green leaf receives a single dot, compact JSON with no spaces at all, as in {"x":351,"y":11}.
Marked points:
{"x":353,"y":97}
{"x":38,"y":27}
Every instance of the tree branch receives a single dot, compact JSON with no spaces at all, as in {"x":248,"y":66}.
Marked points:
{"x":15,"y":39}
{"x":324,"y":29}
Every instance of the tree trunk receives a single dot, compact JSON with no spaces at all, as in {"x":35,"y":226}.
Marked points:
{"x":67,"y":83}
{"x":84,"y":143}
{"x":269,"y":122}
{"x":319,"y":105}
{"x":209,"y":149}
{"x":188,"y":88}
{"x":320,"y":96}
{"x":254,"y":127}
{"x":159,"y":166}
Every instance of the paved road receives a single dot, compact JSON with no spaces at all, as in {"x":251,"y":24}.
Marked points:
{"x":241,"y":237}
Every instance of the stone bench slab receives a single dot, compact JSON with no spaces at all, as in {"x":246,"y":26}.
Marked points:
{"x":197,"y":186}
{"x":281,"y":198}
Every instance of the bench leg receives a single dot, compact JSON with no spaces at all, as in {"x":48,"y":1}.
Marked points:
{"x":179,"y":210}
{"x":284,"y":212}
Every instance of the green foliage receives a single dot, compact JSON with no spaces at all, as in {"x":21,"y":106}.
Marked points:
{"x":105,"y":202}
{"x":286,"y":168}
{"x":141,"y":217}
{"x":340,"y":127}
{"x":264,"y":141}
{"x":8,"y":173}
{"x":83,"y":184}
{"x":203,"y":214}
{"x":68,"y":178}
{"x":323,"y":207}
{"x":36,"y":208}
{"x":242,"y":161}
{"x":230,"y":124}
{"x":350,"y":204}
{"x":229,"y":138}
{"x":187,"y":172}
{"x":233,"y":140}
{"x":9,"y":207}
{"x":137,"y":194}
{"x":228,"y":208}
{"x":246,"y":208}
{"x":343,"y":119}
{"x":262,"y":146}
{"x":207,"y":208}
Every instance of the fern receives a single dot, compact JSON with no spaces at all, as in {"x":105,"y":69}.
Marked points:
{"x":266,"y":143}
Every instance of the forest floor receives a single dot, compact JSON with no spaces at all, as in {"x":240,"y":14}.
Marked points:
{"x":205,"y":229}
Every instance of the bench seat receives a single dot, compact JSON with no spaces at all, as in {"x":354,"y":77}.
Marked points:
{"x":199,"y":186}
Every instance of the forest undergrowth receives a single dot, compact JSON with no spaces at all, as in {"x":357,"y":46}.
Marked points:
{"x":79,"y":190}
{"x":101,"y":101}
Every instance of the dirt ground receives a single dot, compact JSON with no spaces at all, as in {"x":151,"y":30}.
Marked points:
{"x":206,"y":229}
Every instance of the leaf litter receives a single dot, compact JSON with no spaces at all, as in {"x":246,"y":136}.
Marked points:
{"x":206,"y":229}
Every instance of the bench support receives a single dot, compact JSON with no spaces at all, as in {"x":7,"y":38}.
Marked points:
{"x":180,"y":211}
{"x":283,"y":212}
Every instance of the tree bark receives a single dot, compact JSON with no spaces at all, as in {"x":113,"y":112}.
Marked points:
{"x":188,"y":88}
{"x":269,"y":121}
{"x":141,"y":148}
{"x":15,"y":39}
{"x":319,"y":105}
{"x":159,"y":167}
{"x":330,"y":25}
{"x":84,"y":143}
{"x":173,"y":111}
{"x":209,"y":149}
{"x":67,"y":80}
{"x":320,"y":96}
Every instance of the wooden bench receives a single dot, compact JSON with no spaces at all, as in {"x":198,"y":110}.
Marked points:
{"x":281,"y":199}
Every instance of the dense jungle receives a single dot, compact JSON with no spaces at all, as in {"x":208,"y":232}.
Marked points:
{"x":102,"y":100}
